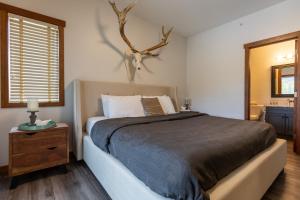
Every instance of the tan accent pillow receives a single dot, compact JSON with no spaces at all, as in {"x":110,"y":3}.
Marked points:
{"x":152,"y":106}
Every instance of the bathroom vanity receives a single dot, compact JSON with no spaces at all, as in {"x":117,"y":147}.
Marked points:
{"x":282,"y":120}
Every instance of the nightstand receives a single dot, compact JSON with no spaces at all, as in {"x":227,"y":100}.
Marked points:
{"x":32,"y":151}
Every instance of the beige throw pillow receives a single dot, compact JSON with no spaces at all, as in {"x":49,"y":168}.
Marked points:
{"x":152,"y":106}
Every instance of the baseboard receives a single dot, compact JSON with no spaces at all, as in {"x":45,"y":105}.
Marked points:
{"x":4,"y":170}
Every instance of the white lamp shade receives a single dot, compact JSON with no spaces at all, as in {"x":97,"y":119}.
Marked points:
{"x":32,"y":105}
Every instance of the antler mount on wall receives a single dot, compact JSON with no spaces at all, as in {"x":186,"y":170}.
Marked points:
{"x":135,"y":56}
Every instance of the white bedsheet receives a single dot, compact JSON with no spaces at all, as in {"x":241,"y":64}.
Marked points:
{"x":92,"y":121}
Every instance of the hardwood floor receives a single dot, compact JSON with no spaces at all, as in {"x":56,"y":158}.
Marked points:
{"x":53,"y":184}
{"x":80,"y":184}
{"x":287,"y":185}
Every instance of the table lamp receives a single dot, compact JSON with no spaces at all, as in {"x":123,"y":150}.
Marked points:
{"x":32,"y":107}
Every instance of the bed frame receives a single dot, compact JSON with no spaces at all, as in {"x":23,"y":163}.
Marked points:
{"x":87,"y":102}
{"x":249,"y":182}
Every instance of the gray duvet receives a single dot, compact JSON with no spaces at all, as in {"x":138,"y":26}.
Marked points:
{"x":181,"y":156}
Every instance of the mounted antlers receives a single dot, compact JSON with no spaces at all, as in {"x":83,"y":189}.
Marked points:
{"x":122,"y":14}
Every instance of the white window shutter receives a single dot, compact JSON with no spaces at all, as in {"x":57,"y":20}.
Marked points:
{"x":33,"y":60}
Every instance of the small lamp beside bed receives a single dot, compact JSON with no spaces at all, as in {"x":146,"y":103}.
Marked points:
{"x":187,"y":105}
{"x":32,"y":107}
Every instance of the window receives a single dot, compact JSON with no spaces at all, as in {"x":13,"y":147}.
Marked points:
{"x":32,"y":66}
{"x":33,"y":61}
{"x":287,"y":84}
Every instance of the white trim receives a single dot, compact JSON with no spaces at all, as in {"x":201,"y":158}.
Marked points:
{"x":77,"y":141}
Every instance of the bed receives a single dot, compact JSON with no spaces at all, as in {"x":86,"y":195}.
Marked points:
{"x":249,"y":181}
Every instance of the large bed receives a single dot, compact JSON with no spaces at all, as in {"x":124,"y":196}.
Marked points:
{"x":248,"y":181}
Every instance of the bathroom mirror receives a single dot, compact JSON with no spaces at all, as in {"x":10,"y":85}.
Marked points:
{"x":282,"y":78}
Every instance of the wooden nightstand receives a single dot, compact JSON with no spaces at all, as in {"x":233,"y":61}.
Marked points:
{"x":32,"y":151}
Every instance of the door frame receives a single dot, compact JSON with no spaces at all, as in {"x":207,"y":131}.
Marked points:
{"x":265,"y":42}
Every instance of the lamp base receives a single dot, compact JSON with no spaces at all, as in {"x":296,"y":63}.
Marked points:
{"x":187,"y":106}
{"x":32,"y":118}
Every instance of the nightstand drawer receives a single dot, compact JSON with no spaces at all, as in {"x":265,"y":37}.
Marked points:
{"x":42,"y":158}
{"x":31,"y":151}
{"x":34,"y":142}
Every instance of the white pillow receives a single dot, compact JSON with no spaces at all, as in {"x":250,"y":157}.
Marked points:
{"x":124,"y":106}
{"x":105,"y":99}
{"x":165,"y":102}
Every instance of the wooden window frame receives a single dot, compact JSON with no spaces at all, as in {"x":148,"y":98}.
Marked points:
{"x":4,"y":10}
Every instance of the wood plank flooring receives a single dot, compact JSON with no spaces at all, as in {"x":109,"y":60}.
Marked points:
{"x":287,"y":185}
{"x":80,"y":184}
{"x":52,"y":184}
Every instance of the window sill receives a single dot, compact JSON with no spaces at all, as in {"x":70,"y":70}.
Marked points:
{"x":24,"y":105}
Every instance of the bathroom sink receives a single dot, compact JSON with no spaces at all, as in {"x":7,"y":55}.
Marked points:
{"x":280,"y":106}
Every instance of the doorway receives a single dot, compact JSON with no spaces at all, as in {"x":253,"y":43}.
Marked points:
{"x":281,"y":76}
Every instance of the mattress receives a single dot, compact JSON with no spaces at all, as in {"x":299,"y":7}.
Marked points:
{"x":92,"y":121}
{"x":155,"y":149}
{"x":249,"y":182}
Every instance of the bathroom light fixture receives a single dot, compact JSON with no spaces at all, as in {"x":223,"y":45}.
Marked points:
{"x":289,"y":57}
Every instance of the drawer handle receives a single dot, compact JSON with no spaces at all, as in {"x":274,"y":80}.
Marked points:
{"x":52,"y":148}
{"x":30,"y":134}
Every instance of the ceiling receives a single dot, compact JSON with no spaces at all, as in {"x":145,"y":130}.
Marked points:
{"x":193,"y":16}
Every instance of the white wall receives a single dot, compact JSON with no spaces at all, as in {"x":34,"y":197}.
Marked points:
{"x":215,"y":58}
{"x":261,"y":61}
{"x":88,"y":58}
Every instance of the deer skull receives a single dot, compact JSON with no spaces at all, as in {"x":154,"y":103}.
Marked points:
{"x":134,"y":55}
{"x":137,"y":60}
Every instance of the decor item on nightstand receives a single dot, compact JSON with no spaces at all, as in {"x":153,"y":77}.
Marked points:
{"x":134,"y":57}
{"x":187,"y":105}
{"x":30,"y":151}
{"x":39,"y":125}
{"x":34,"y":124}
{"x":32,"y":107}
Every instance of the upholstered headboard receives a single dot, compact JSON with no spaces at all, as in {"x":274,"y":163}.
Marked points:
{"x":87,"y":102}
